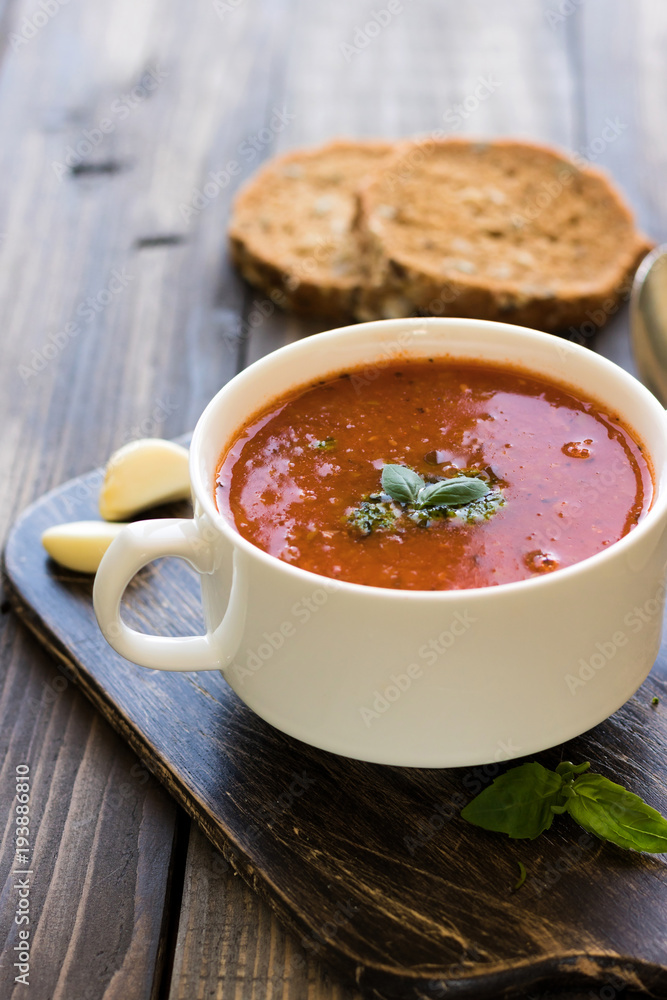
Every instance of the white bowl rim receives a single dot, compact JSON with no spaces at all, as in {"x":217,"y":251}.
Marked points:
{"x":316,"y":580}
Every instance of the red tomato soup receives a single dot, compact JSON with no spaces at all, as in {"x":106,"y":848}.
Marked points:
{"x":495,"y":475}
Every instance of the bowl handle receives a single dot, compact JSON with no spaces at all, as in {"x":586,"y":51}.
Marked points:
{"x":137,"y":545}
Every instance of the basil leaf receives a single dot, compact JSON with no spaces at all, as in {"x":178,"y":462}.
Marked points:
{"x":401,"y":483}
{"x":613,"y":813}
{"x":452,"y":492}
{"x":517,"y":803}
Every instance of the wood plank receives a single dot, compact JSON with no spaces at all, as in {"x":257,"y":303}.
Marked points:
{"x":218,"y":954}
{"x":154,"y":357}
{"x":100,"y":846}
{"x":143,"y":363}
{"x":618,"y":52}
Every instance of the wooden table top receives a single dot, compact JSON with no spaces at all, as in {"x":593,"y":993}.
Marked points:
{"x":120,"y":318}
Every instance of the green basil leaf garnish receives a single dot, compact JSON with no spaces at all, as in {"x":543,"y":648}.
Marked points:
{"x":523,"y":802}
{"x":406,"y":486}
{"x":455,"y":492}
{"x":469,"y":498}
{"x":401,"y":483}
{"x":517,"y":803}
{"x":613,"y":813}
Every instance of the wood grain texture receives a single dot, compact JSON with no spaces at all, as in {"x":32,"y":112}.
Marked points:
{"x":372,"y":864}
{"x":147,"y":362}
{"x":230,"y":944}
{"x":619,"y":72}
{"x":100,"y":846}
{"x":218,"y":955}
{"x":99,"y":241}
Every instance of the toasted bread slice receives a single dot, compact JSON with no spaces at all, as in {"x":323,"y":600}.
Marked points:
{"x":292,"y":229}
{"x":500,"y":230}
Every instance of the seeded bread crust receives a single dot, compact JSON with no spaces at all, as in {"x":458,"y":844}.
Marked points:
{"x":293,"y":231}
{"x":499,"y":230}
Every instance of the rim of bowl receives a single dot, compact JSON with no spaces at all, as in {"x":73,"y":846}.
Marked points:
{"x":207,"y":502}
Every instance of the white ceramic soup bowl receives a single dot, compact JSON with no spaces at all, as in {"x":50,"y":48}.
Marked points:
{"x":413,"y":678}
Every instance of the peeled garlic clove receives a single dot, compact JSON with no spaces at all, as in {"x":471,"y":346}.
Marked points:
{"x":143,"y":474}
{"x":81,"y":544}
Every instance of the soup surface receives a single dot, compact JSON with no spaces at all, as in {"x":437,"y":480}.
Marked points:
{"x":535,"y":477}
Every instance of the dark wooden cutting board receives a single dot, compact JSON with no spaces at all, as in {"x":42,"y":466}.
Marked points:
{"x":371,"y":866}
